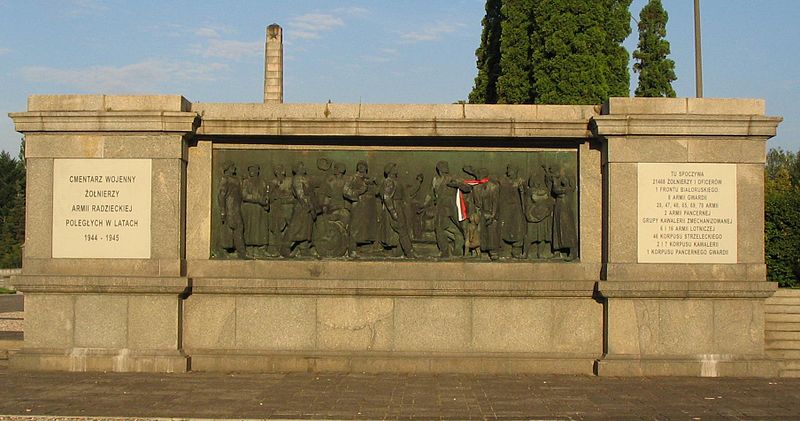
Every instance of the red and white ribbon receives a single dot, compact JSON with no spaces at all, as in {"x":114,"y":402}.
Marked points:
{"x":461,"y":203}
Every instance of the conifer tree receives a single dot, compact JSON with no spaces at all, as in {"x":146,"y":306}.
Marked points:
{"x":656,"y":71}
{"x":572,"y":53}
{"x":488,"y":55}
{"x":514,"y":83}
{"x":578,"y":53}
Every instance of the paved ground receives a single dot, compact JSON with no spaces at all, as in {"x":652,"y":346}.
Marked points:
{"x":361,"y":396}
{"x":59,"y":396}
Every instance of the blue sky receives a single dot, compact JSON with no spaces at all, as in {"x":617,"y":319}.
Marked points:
{"x":407,"y":51}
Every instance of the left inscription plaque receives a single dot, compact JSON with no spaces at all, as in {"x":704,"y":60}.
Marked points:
{"x":101,"y":208}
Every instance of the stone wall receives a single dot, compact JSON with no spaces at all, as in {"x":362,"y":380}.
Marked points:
{"x":607,"y":313}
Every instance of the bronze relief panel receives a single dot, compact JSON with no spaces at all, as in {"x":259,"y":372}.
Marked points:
{"x":492,"y":205}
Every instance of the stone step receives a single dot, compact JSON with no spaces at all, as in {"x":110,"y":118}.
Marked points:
{"x":791,"y":318}
{"x":782,"y":327}
{"x":782,"y":344}
{"x":782,"y":308}
{"x":782,"y":301}
{"x":790,"y":373}
{"x":781,"y":336}
{"x":789,"y":364}
{"x":784,"y":354}
{"x":786,"y":293}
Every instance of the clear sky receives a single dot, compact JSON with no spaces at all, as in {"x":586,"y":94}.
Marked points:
{"x":408,"y":51}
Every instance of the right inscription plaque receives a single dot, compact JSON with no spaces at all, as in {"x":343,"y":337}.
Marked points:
{"x":687,"y":213}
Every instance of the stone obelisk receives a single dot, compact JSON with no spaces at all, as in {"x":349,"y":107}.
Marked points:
{"x":273,"y":65}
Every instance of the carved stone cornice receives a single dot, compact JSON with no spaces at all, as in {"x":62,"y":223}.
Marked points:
{"x":105,"y":121}
{"x":686,"y":289}
{"x":100,"y":284}
{"x":394,"y":128}
{"x":684,"y":125}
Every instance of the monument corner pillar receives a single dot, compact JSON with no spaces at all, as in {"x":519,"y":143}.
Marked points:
{"x":684,"y":278}
{"x":104,"y":260}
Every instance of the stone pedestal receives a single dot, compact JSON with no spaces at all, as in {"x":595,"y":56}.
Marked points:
{"x":703,"y":316}
{"x":120,"y":313}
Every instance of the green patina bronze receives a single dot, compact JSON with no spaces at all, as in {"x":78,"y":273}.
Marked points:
{"x":494,"y":205}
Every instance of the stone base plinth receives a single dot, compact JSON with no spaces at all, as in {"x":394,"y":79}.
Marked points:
{"x":99,"y":359}
{"x":709,"y":365}
{"x":393,"y":362}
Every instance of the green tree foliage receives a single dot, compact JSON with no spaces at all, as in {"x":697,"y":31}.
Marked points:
{"x":553,"y":52}
{"x":656,"y":71}
{"x":12,"y":209}
{"x":514,"y":83}
{"x":578,"y":54}
{"x":487,"y":54}
{"x":782,"y":217}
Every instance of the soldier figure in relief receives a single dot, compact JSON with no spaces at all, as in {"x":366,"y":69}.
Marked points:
{"x":301,"y":223}
{"x":393,"y":196}
{"x":361,"y":192}
{"x":229,"y":199}
{"x":281,"y":203}
{"x":255,"y":205}
{"x":449,"y":230}
{"x":510,"y":214}
{"x":538,"y":204}
{"x":565,"y":234}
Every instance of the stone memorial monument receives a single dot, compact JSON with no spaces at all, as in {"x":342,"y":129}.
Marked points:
{"x":623,"y":239}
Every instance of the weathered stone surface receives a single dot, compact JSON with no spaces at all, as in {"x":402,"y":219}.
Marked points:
{"x":275,"y":323}
{"x":711,"y":106}
{"x":38,"y":210}
{"x":107,"y":103}
{"x":68,"y":145}
{"x":153,"y":322}
{"x":591,"y":193}
{"x":621,"y":225}
{"x":101,"y":321}
{"x":644,"y":149}
{"x":355,"y":323}
{"x":209,"y":322}
{"x":167,"y":209}
{"x":436,"y":325}
{"x":532,"y":321}
{"x":49,"y":321}
{"x":750,"y":206}
{"x":726,"y":150}
{"x":198,"y":201}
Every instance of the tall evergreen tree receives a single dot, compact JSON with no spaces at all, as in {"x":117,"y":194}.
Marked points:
{"x":656,"y":71}
{"x":578,"y":53}
{"x":572,"y":53}
{"x":514,"y":83}
{"x":488,"y":55}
